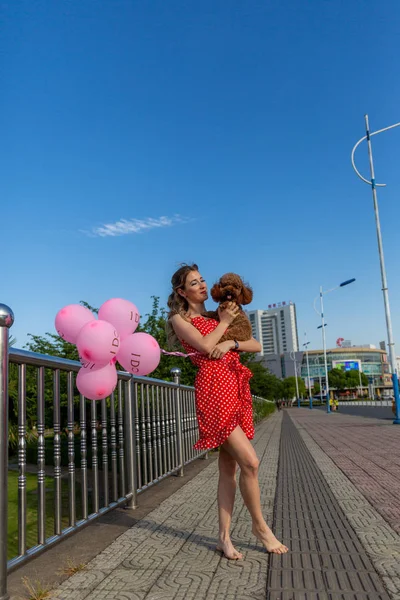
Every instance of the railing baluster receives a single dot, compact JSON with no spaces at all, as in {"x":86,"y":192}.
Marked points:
{"x":22,"y":506}
{"x":193,"y":424}
{"x":158,"y":433}
{"x":163,"y":433}
{"x":167,"y":429}
{"x":130,"y":444}
{"x":137,"y":434}
{"x":95,"y":465}
{"x":104,"y":451}
{"x":178,"y":421}
{"x":84,"y":469}
{"x":41,"y":458}
{"x":143,"y":428}
{"x":121,"y":444}
{"x":185,"y":426}
{"x":71,"y":449}
{"x":154,"y":433}
{"x":148,"y":435}
{"x":114,"y":457}
{"x":57,"y":452}
{"x":174,"y":455}
{"x":6,"y":321}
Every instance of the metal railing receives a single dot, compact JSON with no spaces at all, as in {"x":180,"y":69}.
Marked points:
{"x":85,"y":457}
{"x":76,"y":459}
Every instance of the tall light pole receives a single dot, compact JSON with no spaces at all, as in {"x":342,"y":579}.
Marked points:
{"x":322,"y":326}
{"x":293,"y":357}
{"x":374,"y":185}
{"x":308,"y":373}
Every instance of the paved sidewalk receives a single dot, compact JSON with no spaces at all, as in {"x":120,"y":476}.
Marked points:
{"x":170,"y":554}
{"x":330,"y":485}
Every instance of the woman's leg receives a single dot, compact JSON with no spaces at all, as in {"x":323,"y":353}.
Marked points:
{"x":239,"y":448}
{"x":226,"y":499}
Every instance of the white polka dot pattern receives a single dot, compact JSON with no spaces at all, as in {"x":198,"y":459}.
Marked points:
{"x":223,"y":397}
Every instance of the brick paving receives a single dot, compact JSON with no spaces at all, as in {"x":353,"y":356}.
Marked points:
{"x":331,"y":485}
{"x":331,"y":438}
{"x":170,"y":554}
{"x":367,"y":451}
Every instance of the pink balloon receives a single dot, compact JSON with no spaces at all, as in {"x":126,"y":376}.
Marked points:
{"x":70,"y":320}
{"x":98,"y":343}
{"x":139,"y":353}
{"x":97,"y":383}
{"x":123,"y":314}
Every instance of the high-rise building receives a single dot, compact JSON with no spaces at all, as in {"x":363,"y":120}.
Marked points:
{"x":275,"y":328}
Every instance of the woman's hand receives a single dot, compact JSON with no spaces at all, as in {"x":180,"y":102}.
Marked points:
{"x":228,"y":314}
{"x":221,"y":349}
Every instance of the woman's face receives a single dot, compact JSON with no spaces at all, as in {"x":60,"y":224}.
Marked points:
{"x":195,"y":289}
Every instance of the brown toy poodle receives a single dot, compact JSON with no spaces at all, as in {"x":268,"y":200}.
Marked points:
{"x":231,"y":288}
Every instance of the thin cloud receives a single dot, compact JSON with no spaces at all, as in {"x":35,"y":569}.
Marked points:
{"x":130,"y":226}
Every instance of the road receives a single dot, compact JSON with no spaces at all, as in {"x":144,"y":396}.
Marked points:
{"x":375,"y":412}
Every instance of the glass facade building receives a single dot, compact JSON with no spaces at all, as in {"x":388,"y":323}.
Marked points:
{"x":374,"y":363}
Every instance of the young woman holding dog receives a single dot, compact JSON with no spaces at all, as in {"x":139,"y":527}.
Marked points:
{"x":223,"y":401}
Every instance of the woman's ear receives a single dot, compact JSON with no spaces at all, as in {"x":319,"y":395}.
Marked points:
{"x":181,"y":293}
{"x":246,"y":295}
{"x":216,"y":292}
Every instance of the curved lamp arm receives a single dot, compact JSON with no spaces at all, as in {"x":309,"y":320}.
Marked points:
{"x":356,"y":146}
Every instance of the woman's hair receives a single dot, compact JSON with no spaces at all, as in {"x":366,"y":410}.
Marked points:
{"x":177,"y":304}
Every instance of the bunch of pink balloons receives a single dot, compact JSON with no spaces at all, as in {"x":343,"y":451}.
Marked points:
{"x":104,"y":341}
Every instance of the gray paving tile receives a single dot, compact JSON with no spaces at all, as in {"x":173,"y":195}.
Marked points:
{"x":322,"y":569}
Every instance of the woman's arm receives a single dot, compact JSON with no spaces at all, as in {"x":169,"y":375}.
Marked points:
{"x":250,"y":346}
{"x":188,"y":332}
{"x":223,"y":347}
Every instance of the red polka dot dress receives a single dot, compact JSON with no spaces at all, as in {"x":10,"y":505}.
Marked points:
{"x":223,"y":397}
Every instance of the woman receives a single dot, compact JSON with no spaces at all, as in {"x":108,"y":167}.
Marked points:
{"x":223,"y":402}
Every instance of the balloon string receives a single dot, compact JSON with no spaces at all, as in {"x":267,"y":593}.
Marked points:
{"x":181,"y":354}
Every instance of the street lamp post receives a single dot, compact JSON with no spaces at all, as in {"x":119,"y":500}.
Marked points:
{"x":293,"y":357}
{"x":385,"y":290}
{"x":322,"y":326}
{"x":316,"y":362}
{"x":359,"y":374}
{"x":308,"y":375}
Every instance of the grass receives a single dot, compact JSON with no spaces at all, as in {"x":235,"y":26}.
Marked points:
{"x":36,"y":589}
{"x":72,"y":567}
{"x":32,"y":509}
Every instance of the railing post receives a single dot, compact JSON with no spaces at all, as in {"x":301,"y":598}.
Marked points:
{"x":176,"y":373}
{"x":6,"y":321}
{"x":130,"y":443}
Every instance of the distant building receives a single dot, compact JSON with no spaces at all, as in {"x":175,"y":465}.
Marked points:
{"x":275,"y":328}
{"x":374,"y":364}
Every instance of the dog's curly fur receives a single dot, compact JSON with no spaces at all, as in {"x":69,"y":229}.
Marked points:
{"x":231,"y":288}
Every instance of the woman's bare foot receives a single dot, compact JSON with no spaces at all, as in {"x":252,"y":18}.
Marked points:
{"x":228,"y":550}
{"x":267,"y":538}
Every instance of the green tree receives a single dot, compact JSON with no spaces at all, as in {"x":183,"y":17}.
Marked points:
{"x":289,"y":387}
{"x":337,"y":379}
{"x":353,"y":379}
{"x":263,"y":383}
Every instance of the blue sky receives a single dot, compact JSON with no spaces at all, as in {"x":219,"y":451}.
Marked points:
{"x":217,"y":132}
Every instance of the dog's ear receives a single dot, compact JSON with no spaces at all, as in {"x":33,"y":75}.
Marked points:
{"x":246,"y":295}
{"x":216,"y":293}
